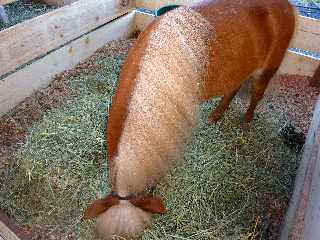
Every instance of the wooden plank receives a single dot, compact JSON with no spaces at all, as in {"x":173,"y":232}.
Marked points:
{"x":308,"y":35}
{"x":303,"y":216}
{"x":307,"y":24}
{"x":6,"y":233}
{"x":10,"y":230}
{"x":298,"y":64}
{"x":34,"y":38}
{"x":17,"y":86}
{"x":306,"y":41}
{"x":4,"y":2}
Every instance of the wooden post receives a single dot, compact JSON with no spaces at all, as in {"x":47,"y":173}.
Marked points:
{"x":303,"y":216}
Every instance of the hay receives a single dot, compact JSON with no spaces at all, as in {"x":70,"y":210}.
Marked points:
{"x":233,"y":185}
{"x":22,"y":10}
{"x":61,"y":161}
{"x":231,"y":181}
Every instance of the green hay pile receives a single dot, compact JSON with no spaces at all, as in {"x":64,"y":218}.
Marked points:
{"x":20,"y":11}
{"x":233,"y":185}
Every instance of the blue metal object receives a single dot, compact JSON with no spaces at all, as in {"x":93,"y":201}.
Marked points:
{"x":158,"y":12}
{"x":165,"y":9}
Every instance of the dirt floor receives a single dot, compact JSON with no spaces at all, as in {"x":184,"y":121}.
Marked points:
{"x":234,"y":184}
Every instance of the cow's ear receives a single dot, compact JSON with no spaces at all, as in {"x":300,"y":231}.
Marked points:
{"x":99,"y":206}
{"x":153,"y":205}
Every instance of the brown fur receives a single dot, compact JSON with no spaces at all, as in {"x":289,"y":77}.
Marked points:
{"x":186,"y":56}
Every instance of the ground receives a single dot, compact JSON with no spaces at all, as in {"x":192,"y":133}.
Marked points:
{"x":234,"y":184}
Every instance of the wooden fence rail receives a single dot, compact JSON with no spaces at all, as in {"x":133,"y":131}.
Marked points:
{"x":34,"y":38}
{"x":62,"y":39}
{"x":303,"y":216}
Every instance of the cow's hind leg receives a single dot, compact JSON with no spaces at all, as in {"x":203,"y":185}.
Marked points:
{"x":273,"y":61}
{"x":217,"y":114}
{"x":259,"y":84}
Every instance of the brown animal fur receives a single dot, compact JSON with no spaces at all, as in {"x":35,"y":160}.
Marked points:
{"x":187,"y":56}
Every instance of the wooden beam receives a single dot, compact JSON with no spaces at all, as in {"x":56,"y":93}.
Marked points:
{"x":307,"y":41}
{"x":17,"y":86}
{"x":303,"y":216}
{"x":4,"y":2}
{"x":6,"y":233}
{"x":308,"y":35}
{"x":298,"y":64}
{"x":34,"y":38}
{"x":307,"y":24}
{"x":10,"y":230}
